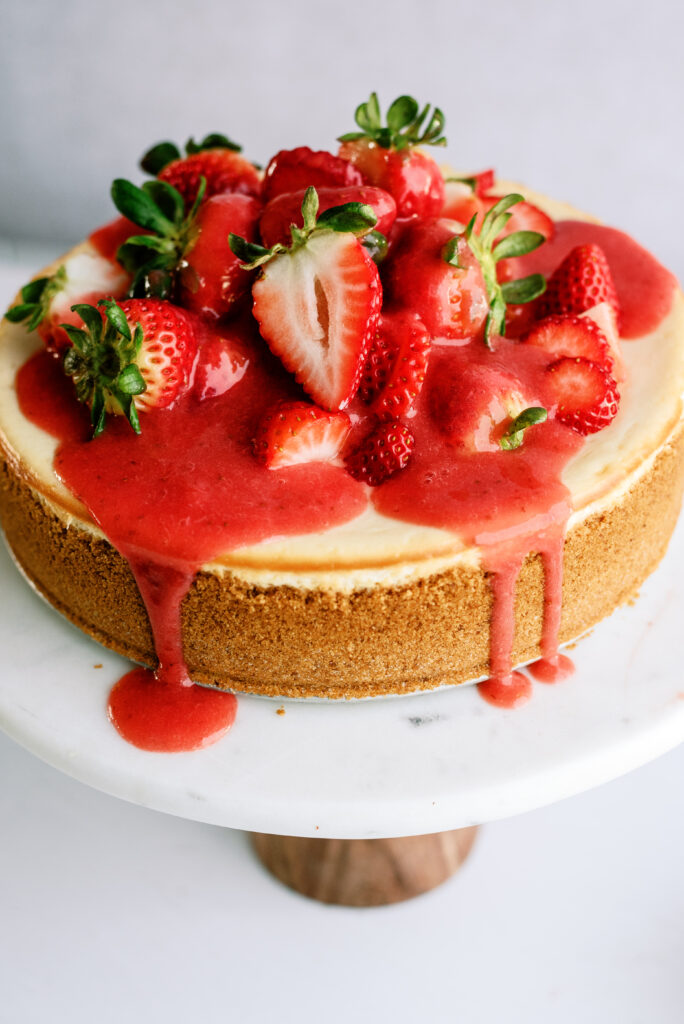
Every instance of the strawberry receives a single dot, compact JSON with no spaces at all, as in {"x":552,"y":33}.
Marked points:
{"x":215,"y":158}
{"x":585,"y":395}
{"x":466,"y":197}
{"x":605,"y":319}
{"x":294,"y":170}
{"x":525,"y":217}
{"x":211,"y":279}
{"x":184,"y":255}
{"x":384,"y":452}
{"x":46,"y":303}
{"x":285,"y":210}
{"x":482,"y":408}
{"x":396,"y":365}
{"x":386,"y":155}
{"x":132,"y":357}
{"x":449,"y":298}
{"x":317,"y":302}
{"x":222,"y":363}
{"x":295,"y":432}
{"x":581,"y":281}
{"x":571,"y":336}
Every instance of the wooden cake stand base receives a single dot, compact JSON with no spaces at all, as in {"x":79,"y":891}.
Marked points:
{"x":364,"y":872}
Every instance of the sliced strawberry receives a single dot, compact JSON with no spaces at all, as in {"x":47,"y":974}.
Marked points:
{"x":605,"y":319}
{"x":285,"y":210}
{"x":210,"y":277}
{"x":395,"y":369}
{"x":450,"y":300}
{"x":571,"y":336}
{"x":475,"y":405}
{"x":317,"y":307}
{"x":384,"y":452}
{"x":292,"y":170}
{"x":134,"y":356}
{"x":584,"y":394}
{"x":295,"y":432}
{"x":582,"y":280}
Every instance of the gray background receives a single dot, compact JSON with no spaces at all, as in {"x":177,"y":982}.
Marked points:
{"x":109,"y":912}
{"x":582,"y":99}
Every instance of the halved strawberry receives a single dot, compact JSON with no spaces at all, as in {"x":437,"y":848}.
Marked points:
{"x":605,"y":319}
{"x":317,"y":302}
{"x":584,"y":395}
{"x":581,"y":281}
{"x":46,"y":303}
{"x":133,"y":356}
{"x":384,"y":452}
{"x":571,"y":336}
{"x":293,"y":170}
{"x":285,"y":210}
{"x":215,"y":158}
{"x":211,"y":280}
{"x":386,"y":155}
{"x":295,"y":432}
{"x":396,"y":365}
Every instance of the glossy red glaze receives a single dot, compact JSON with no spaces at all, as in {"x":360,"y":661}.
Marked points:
{"x":212,"y":279}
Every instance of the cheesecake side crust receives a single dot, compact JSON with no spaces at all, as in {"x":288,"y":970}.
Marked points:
{"x":283,"y":641}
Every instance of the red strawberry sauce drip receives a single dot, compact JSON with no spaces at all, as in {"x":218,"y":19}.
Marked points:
{"x":189,"y":489}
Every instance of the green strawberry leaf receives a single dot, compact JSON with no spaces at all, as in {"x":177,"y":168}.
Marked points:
{"x":36,"y":299}
{"x":406,"y":124}
{"x":520,"y":243}
{"x":140,"y":207}
{"x":514,"y":435}
{"x":375,"y":243}
{"x":525,"y":289}
{"x":156,"y":158}
{"x":357,"y":218}
{"x":212,"y":141}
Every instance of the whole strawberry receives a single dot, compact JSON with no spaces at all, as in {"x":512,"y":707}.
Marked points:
{"x":215,"y":158}
{"x":130,"y":357}
{"x":386,"y":155}
{"x":293,"y":170}
{"x":382,"y":454}
{"x":317,"y":301}
{"x":582,"y":281}
{"x":285,"y":210}
{"x":184,"y":254}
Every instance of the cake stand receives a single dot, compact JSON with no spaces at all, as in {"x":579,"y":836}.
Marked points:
{"x":428,"y":766}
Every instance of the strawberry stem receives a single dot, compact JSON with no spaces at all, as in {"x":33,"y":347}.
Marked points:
{"x":102,"y":362}
{"x":36,"y":297}
{"x":407,"y":124}
{"x":355,"y":218}
{"x":513,"y":437}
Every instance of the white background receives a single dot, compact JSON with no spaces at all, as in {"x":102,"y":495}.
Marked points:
{"x":110,"y":912}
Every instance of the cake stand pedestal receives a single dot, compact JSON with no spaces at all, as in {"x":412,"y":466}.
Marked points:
{"x":367,"y":770}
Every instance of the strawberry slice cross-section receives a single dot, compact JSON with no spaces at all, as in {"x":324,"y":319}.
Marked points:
{"x":317,"y":301}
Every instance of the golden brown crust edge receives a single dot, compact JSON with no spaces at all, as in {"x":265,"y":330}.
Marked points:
{"x":283,"y":641}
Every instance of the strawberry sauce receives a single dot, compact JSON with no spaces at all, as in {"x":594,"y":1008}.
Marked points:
{"x":189,"y":487}
{"x":644,"y":287}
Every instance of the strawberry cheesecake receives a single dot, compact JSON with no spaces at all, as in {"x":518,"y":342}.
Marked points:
{"x":354,"y":426}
